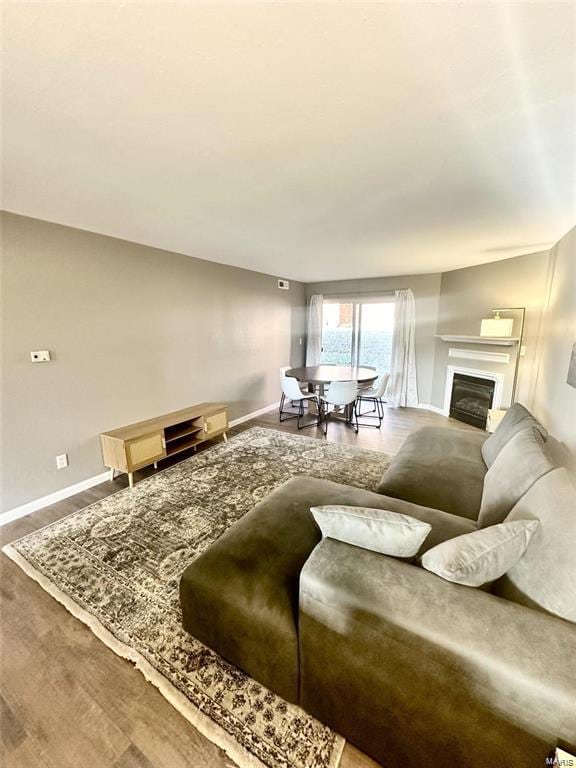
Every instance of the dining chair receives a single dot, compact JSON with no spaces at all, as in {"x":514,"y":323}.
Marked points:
{"x":291,"y":391}
{"x":374,"y":395}
{"x":342,"y":394}
{"x":283,"y":370}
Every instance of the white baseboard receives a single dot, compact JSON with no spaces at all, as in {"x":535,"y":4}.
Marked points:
{"x":83,"y":485}
{"x":52,"y":498}
{"x":433,"y":408}
{"x":253,"y":415}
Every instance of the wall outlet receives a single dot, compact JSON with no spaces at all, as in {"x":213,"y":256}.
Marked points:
{"x":40,"y":356}
{"x":284,"y":285}
{"x":62,"y":461}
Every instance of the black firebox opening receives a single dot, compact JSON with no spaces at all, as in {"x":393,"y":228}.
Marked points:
{"x":472,"y":397}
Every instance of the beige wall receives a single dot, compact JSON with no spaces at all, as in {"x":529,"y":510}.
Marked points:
{"x":134,"y":332}
{"x":468,"y":295}
{"x":555,"y":399}
{"x":426,"y":289}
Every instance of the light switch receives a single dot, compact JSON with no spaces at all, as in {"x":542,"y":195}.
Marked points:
{"x":62,"y":461}
{"x":40,"y":356}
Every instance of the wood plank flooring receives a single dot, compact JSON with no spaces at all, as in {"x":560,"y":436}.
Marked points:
{"x":67,"y":701}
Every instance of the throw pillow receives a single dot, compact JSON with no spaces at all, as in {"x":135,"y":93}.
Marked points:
{"x":480,"y":557}
{"x":379,"y":530}
{"x":519,"y":464}
{"x":515,"y":419}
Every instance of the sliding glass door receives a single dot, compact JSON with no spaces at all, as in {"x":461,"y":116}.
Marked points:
{"x":338,"y":333}
{"x":376,"y":325}
{"x":358,"y":332}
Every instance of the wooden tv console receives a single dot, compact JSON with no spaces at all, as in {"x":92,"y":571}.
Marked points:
{"x":138,"y":445}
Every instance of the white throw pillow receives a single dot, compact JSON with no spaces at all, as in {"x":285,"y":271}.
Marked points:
{"x":482,"y":556}
{"x":379,"y":530}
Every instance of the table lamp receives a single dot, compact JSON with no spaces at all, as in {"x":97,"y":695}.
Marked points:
{"x":497,"y":327}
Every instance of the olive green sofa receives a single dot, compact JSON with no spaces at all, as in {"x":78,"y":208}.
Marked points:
{"x":412,"y":669}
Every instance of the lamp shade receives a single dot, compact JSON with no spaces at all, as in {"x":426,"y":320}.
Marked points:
{"x":496,"y":327}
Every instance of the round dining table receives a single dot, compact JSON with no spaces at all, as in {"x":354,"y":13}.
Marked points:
{"x":318,"y":376}
{"x":325,"y":374}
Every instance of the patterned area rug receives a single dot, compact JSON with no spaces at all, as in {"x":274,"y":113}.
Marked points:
{"x":116,"y":566}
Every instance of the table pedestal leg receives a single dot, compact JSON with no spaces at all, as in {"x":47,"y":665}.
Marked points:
{"x":312,"y":407}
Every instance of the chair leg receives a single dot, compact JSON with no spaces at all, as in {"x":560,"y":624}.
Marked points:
{"x":287,"y":418}
{"x":364,"y":400}
{"x":352,"y":421}
{"x":301,"y":413}
{"x":378,"y":409}
{"x":318,"y":412}
{"x":323,"y":417}
{"x":288,"y":414}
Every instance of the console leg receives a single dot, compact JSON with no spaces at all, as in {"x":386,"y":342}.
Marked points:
{"x":225,"y":436}
{"x":131,"y":479}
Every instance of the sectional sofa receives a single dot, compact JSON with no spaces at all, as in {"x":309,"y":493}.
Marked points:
{"x":412,"y":669}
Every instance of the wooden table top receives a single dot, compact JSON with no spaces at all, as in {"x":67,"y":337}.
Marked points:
{"x":326,"y":374}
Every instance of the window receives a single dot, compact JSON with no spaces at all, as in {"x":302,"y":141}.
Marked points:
{"x":358,"y":332}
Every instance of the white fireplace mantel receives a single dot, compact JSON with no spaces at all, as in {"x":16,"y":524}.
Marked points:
{"x":497,"y":378}
{"x":496,"y":341}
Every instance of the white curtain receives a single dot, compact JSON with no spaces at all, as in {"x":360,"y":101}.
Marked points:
{"x":314,"y":331}
{"x":402,"y":389}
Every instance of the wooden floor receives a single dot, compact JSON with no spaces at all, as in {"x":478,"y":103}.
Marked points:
{"x":67,"y":701}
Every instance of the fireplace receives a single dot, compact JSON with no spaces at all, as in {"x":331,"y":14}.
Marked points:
{"x":471,"y":399}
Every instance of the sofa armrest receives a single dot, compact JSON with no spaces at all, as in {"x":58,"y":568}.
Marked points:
{"x":504,"y":657}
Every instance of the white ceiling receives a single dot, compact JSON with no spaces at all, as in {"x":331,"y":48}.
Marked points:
{"x":308,"y":140}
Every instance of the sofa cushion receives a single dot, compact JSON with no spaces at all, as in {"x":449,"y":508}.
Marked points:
{"x":240,"y":597}
{"x":480,"y":557}
{"x":545,"y":577}
{"x":515,"y":420}
{"x":378,"y":530}
{"x":439,"y":468}
{"x":406,"y":665}
{"x":519,"y":464}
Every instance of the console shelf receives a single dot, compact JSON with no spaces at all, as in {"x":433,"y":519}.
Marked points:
{"x":138,"y":445}
{"x":183,"y":444}
{"x":175,"y":433}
